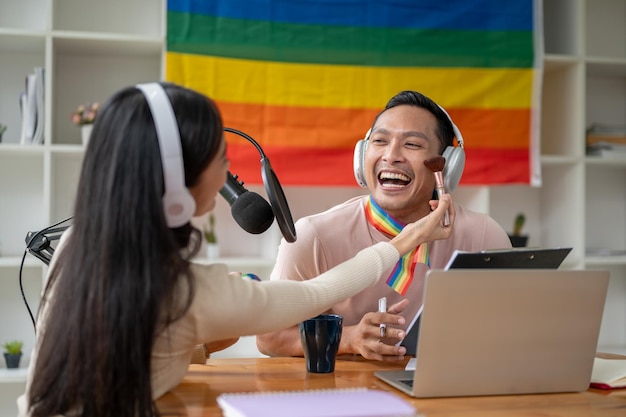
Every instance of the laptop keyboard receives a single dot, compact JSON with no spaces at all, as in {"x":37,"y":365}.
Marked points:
{"x":407,"y":382}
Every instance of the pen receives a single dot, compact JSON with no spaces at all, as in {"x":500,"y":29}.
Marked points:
{"x":382,"y":308}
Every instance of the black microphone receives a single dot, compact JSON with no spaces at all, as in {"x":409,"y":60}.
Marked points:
{"x":251,"y":211}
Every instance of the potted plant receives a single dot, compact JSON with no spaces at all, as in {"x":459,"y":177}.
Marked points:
{"x":3,"y":128}
{"x":212,"y":248}
{"x":518,"y":240}
{"x":84,"y":116}
{"x":13,"y":353}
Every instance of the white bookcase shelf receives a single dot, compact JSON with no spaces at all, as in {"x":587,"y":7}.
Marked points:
{"x":90,"y":49}
{"x":585,"y":82}
{"x":8,"y":376}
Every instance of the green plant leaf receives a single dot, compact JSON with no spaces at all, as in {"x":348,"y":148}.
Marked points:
{"x":209,"y":234}
{"x":520,"y":219}
{"x":13,"y":347}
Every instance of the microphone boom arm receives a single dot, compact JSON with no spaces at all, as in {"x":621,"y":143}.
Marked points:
{"x":39,"y":244}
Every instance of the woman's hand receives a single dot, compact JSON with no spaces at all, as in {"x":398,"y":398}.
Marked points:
{"x":428,"y":228}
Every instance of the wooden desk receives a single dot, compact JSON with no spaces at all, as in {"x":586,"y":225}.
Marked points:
{"x":196,"y":395}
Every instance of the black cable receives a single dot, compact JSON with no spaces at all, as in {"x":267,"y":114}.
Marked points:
{"x":30,"y":313}
{"x":40,"y":257}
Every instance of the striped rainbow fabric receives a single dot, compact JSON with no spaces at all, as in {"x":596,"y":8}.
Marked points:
{"x":306,"y":78}
{"x":402,"y":274}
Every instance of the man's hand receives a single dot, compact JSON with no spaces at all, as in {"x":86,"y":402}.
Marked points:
{"x":364,"y":338}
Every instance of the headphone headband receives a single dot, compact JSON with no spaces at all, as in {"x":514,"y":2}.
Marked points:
{"x":455,"y":129}
{"x":457,"y":132}
{"x":178,"y":204}
{"x":454,"y":155}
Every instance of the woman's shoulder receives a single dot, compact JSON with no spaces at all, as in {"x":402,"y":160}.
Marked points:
{"x":206,"y":269}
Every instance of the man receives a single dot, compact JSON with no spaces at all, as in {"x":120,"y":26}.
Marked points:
{"x":410,"y":130}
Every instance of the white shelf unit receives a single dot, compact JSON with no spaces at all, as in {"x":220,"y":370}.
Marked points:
{"x":585,"y":82}
{"x":91,"y":49}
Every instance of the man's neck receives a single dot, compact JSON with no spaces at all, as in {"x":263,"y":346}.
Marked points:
{"x":408,"y":214}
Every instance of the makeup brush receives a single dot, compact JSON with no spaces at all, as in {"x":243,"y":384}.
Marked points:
{"x":436,"y":165}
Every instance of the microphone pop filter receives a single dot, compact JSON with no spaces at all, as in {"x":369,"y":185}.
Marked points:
{"x":252,"y":213}
{"x":261,"y":210}
{"x":278,"y":201}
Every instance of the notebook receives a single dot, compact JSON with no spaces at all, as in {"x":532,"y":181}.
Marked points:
{"x":338,"y":402}
{"x":609,"y":373}
{"x":505,"y":331}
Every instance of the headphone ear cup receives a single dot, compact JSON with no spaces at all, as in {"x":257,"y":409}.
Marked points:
{"x":178,"y":203}
{"x":179,"y":206}
{"x":453,"y":170}
{"x":359,"y":161}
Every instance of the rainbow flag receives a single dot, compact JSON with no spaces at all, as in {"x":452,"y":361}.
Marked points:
{"x":306,"y":78}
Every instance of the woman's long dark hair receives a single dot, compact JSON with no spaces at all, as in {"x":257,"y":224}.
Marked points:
{"x":114,"y":281}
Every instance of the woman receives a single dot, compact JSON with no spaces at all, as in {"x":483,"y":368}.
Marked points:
{"x":124,"y":305}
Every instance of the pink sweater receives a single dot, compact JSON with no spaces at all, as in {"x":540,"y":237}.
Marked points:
{"x":329,"y":238}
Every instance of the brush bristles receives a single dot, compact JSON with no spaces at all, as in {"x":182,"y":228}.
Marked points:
{"x":435,"y":164}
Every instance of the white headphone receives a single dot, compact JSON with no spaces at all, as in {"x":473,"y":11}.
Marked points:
{"x":452,"y":171}
{"x":178,"y":203}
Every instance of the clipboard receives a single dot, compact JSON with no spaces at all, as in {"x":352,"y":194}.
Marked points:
{"x":516,"y":258}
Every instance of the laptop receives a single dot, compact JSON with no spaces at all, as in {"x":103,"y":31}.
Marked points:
{"x":505,"y":331}
{"x":517,"y":258}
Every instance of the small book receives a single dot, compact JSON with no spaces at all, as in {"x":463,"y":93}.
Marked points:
{"x":339,"y":402}
{"x":608,"y":373}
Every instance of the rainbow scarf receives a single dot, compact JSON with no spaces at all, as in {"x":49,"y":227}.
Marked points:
{"x":402,"y":275}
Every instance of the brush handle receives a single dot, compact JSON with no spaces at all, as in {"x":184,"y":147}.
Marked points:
{"x":446,"y":216}
{"x":441,"y":191}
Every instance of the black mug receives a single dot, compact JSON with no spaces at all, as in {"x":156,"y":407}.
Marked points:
{"x":320,"y":337}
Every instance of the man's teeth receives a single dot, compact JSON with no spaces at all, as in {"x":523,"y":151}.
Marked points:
{"x":394,"y":176}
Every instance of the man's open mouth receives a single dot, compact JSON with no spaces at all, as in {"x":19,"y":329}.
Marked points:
{"x":393,"y":179}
